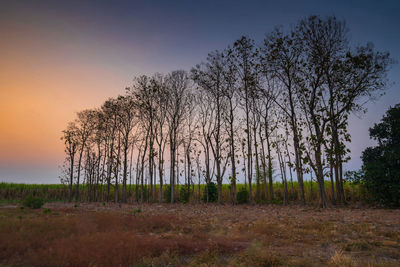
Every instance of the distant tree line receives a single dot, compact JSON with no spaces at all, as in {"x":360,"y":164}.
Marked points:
{"x":252,"y":111}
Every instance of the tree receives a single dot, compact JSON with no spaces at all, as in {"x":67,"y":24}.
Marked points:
{"x":110,"y":126}
{"x":245,"y":58}
{"x":331,"y":84}
{"x":210,"y":78}
{"x":301,"y":86}
{"x":178,"y":101}
{"x":161,"y":96}
{"x":144,"y":92}
{"x":71,"y":145}
{"x":85,"y":124}
{"x":205,"y":122}
{"x":281,"y":58}
{"x":231,"y":95}
{"x":381,"y":164}
{"x":127,"y":117}
{"x":279,"y":144}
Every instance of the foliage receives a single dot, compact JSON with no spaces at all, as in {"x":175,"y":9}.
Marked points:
{"x":33,"y":202}
{"x":354,"y":177}
{"x":167,"y":193}
{"x":212,"y":191}
{"x":242,"y":195}
{"x":276,"y":201}
{"x":12,"y":193}
{"x":138,"y":210}
{"x":46,"y":211}
{"x":289,"y":97}
{"x":49,"y":192}
{"x":381,"y":164}
{"x":184,"y":194}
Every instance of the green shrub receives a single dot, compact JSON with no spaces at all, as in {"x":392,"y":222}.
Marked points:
{"x":138,"y":210}
{"x":33,"y":202}
{"x":45,"y":211}
{"x":212,"y":191}
{"x":276,"y":201}
{"x":184,"y":194}
{"x":167,"y":193}
{"x":242,"y":196}
{"x":381,"y":165}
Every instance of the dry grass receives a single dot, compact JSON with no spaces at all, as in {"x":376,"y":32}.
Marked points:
{"x":198,"y":235}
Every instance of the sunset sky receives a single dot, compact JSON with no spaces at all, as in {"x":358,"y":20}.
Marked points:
{"x":59,"y":57}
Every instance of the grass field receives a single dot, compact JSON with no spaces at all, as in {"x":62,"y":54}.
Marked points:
{"x":99,"y":234}
{"x":14,"y":193}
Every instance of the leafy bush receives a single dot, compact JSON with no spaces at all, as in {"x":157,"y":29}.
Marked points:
{"x":242,"y":196}
{"x":184,"y":194}
{"x":381,"y":164}
{"x":167,"y":193}
{"x":138,"y":210}
{"x":33,"y":202}
{"x":46,"y":211}
{"x":212,"y":191}
{"x":276,"y":201}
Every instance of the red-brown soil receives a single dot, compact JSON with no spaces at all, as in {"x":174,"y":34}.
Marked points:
{"x":198,"y":235}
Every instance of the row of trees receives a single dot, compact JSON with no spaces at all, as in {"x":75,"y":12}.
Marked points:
{"x":246,"y":113}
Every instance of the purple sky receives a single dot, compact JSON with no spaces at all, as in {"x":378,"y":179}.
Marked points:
{"x":59,"y":57}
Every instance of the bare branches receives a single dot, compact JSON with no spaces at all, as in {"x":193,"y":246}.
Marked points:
{"x":292,"y":96}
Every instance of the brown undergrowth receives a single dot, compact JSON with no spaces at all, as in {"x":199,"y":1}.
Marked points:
{"x":198,"y":235}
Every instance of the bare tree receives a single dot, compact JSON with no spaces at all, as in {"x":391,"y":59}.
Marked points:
{"x":230,"y":92}
{"x":210,"y":78}
{"x":293,"y":95}
{"x":281,"y":58}
{"x":177,"y":86}
{"x":71,"y":145}
{"x":127,"y":117}
{"x":245,"y":55}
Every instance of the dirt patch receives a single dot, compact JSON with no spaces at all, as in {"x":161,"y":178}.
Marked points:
{"x":163,"y":234}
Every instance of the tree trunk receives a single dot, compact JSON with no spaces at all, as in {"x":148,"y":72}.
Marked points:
{"x":258,"y":186}
{"x":320,"y":177}
{"x":77,"y":197}
{"x":71,"y":178}
{"x":233,"y":161}
{"x":172,"y":168}
{"x":264,"y":166}
{"x":271,"y":183}
{"x":125,"y":174}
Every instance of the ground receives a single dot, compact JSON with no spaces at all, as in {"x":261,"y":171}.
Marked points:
{"x":198,"y":235}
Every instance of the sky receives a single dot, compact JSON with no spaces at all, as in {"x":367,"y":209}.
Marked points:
{"x":59,"y":57}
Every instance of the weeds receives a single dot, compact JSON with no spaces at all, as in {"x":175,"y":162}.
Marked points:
{"x":256,"y":256}
{"x":33,"y":202}
{"x":46,"y":211}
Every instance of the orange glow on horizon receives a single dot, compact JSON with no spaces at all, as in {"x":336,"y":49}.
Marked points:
{"x":39,"y":95}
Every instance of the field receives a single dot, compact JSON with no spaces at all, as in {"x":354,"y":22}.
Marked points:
{"x":100,"y":234}
{"x":14,"y":193}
